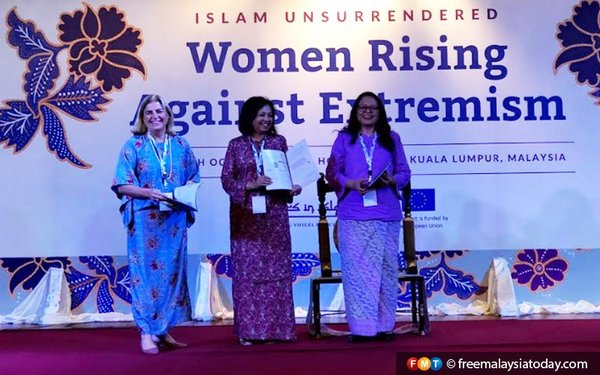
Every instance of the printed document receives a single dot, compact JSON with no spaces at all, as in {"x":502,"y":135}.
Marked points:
{"x":295,"y":167}
{"x":184,"y":197}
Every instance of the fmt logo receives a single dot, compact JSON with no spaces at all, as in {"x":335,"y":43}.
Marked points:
{"x":424,"y":363}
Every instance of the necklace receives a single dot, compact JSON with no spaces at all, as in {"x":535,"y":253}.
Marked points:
{"x":162,"y":157}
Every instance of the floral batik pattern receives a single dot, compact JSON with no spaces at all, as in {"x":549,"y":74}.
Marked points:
{"x":260,"y":250}
{"x":156,"y":240}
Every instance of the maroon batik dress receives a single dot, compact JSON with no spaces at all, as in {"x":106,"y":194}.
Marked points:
{"x":260,"y":249}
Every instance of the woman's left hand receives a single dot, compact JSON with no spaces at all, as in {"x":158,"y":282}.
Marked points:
{"x":296,"y":189}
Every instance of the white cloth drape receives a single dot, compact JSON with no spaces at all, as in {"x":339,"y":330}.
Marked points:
{"x":50,"y":302}
{"x":211,"y":300}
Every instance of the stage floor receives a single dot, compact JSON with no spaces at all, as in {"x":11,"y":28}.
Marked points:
{"x":302,"y":321}
{"x":109,"y":348}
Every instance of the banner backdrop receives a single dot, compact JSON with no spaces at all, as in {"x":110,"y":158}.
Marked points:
{"x":496,"y":103}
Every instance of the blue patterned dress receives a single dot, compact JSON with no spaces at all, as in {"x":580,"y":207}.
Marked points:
{"x":156,"y":240}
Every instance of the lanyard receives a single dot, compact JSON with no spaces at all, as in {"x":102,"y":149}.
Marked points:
{"x":258,"y":154}
{"x":162,"y":159}
{"x":369,"y":153}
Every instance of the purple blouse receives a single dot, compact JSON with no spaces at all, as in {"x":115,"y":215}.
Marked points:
{"x":348,"y":162}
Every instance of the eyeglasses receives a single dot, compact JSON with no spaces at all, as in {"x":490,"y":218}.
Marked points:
{"x":365,"y":108}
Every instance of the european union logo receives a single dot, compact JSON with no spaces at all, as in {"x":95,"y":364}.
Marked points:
{"x":422,"y":199}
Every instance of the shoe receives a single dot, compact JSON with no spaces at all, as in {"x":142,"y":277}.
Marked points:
{"x":248,"y":342}
{"x":385,"y":336}
{"x":169,"y":342}
{"x":360,"y":338}
{"x":148,"y":345}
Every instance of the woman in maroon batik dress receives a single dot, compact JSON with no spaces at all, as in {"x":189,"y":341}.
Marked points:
{"x":260,"y":241}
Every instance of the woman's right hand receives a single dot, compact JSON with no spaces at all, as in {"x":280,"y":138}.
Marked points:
{"x":139,"y":192}
{"x":259,"y":182}
{"x":155,"y":195}
{"x":359,"y":185}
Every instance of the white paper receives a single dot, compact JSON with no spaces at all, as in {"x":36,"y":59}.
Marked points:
{"x":276,"y":167}
{"x":303,"y":168}
{"x":185,"y":196}
{"x":295,"y":167}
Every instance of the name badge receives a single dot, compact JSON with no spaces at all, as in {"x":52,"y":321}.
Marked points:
{"x":259,"y":204}
{"x":164,"y":206}
{"x":370,"y":198}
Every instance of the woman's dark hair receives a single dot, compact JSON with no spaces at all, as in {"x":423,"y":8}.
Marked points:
{"x":382,"y":127}
{"x":250,"y":110}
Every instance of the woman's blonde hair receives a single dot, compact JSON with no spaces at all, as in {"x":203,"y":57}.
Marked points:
{"x":140,"y":128}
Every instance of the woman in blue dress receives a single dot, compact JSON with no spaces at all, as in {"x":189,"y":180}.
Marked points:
{"x":151,"y":163}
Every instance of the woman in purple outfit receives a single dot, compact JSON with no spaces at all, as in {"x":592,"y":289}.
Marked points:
{"x":367,"y":168}
{"x":259,"y":230}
